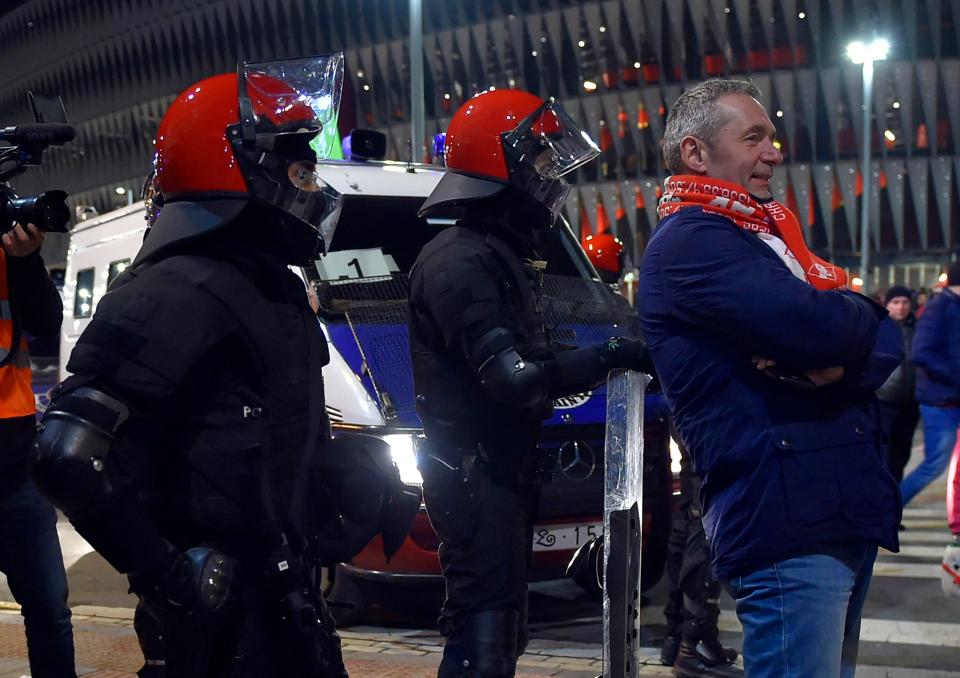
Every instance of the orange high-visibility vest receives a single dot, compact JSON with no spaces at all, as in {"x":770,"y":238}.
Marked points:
{"x":16,"y":393}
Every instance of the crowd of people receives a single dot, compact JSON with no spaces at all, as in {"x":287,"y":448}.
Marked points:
{"x":180,"y":446}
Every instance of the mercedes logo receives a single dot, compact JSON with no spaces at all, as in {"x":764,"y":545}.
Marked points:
{"x":577,"y":460}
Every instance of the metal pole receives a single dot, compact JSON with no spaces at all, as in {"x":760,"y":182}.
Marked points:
{"x":867,"y":176}
{"x":417,"y":125}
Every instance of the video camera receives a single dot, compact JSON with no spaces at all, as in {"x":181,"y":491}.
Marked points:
{"x":48,"y":210}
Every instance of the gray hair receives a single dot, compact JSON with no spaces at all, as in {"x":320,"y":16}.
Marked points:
{"x":696,"y":114}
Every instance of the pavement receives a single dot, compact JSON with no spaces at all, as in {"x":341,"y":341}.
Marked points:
{"x":107,"y":647}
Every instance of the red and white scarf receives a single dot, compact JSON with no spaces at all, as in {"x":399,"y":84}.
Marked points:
{"x":777,"y":226}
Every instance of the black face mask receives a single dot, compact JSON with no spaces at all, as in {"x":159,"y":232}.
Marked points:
{"x":516,"y":209}
{"x":275,"y":233}
{"x":512,"y":216}
{"x":296,"y":244}
{"x":527,"y":212}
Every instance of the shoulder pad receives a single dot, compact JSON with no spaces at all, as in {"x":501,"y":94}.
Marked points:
{"x":147,"y":334}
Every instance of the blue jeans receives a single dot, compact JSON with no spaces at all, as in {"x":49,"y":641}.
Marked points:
{"x":801,"y":615}
{"x":30,"y":557}
{"x":939,"y":436}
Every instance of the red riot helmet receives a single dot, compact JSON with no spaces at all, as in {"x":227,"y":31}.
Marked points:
{"x":604,"y":252}
{"x":251,"y":137}
{"x":508,"y":137}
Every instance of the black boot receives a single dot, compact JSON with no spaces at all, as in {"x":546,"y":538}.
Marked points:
{"x":705,"y":658}
{"x":483,"y":645}
{"x":151,"y":645}
{"x":669,"y":649}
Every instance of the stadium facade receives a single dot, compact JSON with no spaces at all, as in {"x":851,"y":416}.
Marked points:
{"x":616,"y":65}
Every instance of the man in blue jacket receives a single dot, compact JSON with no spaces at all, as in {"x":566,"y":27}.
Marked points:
{"x":769,"y":366}
{"x":936,"y":354}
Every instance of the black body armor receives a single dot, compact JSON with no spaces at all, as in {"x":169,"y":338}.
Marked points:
{"x":191,"y":421}
{"x":465,"y":284}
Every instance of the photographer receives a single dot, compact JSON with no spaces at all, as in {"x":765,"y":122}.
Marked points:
{"x":29,"y":549}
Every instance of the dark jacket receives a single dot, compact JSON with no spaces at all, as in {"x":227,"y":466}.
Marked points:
{"x":465,"y":283}
{"x":193,"y":447}
{"x":936,"y":351}
{"x":784,"y":468}
{"x":38,"y":311}
{"x":900,"y":387}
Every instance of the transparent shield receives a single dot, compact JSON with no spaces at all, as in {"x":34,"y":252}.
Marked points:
{"x":622,"y":521}
{"x":545,"y":146}
{"x":288,"y":111}
{"x":315,"y":82}
{"x":549,"y":141}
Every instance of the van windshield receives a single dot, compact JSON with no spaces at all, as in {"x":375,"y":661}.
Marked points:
{"x":382,"y":236}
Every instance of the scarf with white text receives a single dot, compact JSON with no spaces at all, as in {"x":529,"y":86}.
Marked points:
{"x":777,"y":226}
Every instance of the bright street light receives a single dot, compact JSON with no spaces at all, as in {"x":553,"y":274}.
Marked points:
{"x":862,"y":52}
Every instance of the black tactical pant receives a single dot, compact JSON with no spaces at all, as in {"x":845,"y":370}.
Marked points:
{"x":692,"y":608}
{"x":251,"y":643}
{"x":485,"y":527}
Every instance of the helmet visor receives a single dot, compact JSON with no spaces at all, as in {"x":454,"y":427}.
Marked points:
{"x":550,"y":142}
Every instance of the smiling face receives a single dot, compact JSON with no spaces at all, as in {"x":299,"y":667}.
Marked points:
{"x":741,"y":151}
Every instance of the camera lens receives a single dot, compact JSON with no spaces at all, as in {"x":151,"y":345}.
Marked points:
{"x":48,"y":211}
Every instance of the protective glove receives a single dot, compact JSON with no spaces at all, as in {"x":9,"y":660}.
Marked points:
{"x":626,"y":353}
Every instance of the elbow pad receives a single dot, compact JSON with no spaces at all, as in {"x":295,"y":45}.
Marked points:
{"x":69,"y":466}
{"x":511,"y":380}
{"x":71,"y":448}
{"x":506,"y":376}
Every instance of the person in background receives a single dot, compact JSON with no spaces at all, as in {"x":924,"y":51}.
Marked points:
{"x":936,"y":355}
{"x":952,"y":554}
{"x":692,"y":643}
{"x":30,"y":553}
{"x":605,"y":252}
{"x":920,"y":303}
{"x":899,"y":410}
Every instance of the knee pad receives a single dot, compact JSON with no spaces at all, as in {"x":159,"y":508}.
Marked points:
{"x":482,"y":645}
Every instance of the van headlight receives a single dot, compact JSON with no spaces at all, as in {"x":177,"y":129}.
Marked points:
{"x":675,"y":457}
{"x":403,"y":452}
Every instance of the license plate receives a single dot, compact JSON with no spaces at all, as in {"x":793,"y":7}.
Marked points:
{"x":564,"y":537}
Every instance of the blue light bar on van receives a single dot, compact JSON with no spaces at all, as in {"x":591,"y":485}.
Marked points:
{"x":439,"y":141}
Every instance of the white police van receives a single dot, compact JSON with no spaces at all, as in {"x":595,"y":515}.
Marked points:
{"x":361,"y":286}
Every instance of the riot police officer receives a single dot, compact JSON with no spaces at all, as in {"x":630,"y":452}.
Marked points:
{"x":485,"y":368}
{"x":606,"y":254}
{"x":692,"y":644}
{"x":179,"y":447}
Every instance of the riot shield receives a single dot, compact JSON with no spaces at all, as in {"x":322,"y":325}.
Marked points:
{"x":622,"y":524}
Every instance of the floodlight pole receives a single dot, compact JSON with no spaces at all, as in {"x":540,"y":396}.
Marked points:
{"x":867,"y":175}
{"x":417,"y":114}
